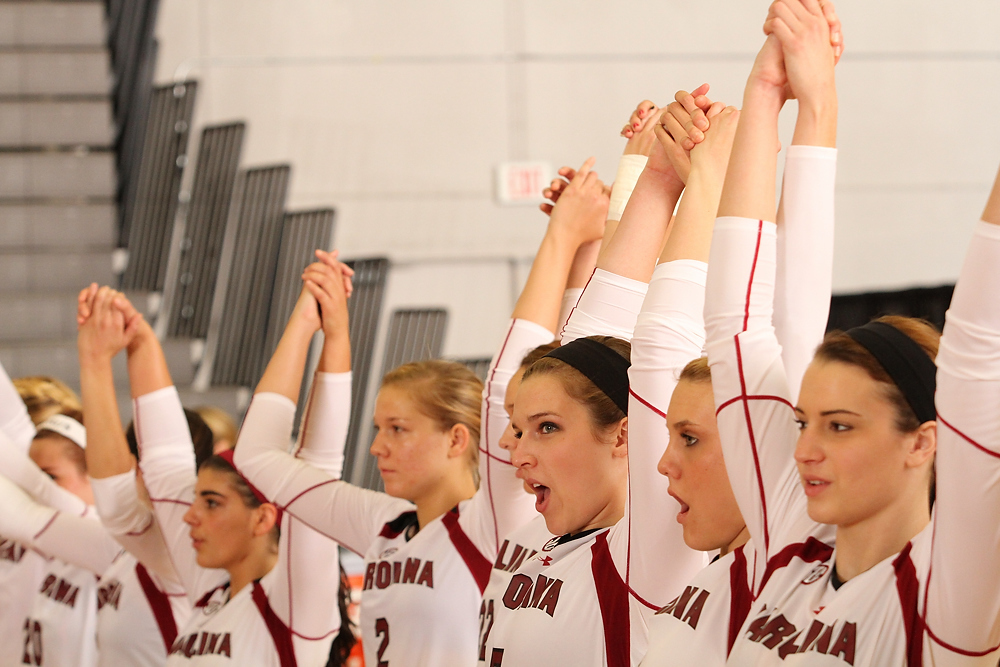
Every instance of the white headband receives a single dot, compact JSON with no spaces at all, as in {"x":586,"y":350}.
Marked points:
{"x":66,"y":427}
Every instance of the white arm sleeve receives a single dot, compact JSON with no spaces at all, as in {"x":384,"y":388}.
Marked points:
{"x":73,"y":539}
{"x":571,"y":297}
{"x":804,"y":272}
{"x":14,"y":419}
{"x":304,"y":592}
{"x":21,"y":470}
{"x":963,"y":601}
{"x":609,"y":306}
{"x":134,"y":525}
{"x":669,"y":333}
{"x":501,"y":504}
{"x":755,"y":417}
{"x":168,"y":469}
{"x":351,"y":516}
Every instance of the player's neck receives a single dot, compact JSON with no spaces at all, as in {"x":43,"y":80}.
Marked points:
{"x":866,"y":543}
{"x":737,"y":542}
{"x":259,"y":561}
{"x":444,"y":496}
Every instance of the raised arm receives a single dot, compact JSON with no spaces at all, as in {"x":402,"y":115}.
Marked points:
{"x":805,"y":217}
{"x":964,"y":570}
{"x":108,"y":324}
{"x":756,"y":422}
{"x":650,"y":549}
{"x":313,"y":494}
{"x":73,"y":539}
{"x":564,"y":259}
{"x":301,"y":591}
{"x":14,"y":419}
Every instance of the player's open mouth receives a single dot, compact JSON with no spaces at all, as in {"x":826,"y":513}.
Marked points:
{"x":542,"y":494}
{"x":682,"y":515}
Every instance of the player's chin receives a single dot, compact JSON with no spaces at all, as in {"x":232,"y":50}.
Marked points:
{"x":821,"y":510}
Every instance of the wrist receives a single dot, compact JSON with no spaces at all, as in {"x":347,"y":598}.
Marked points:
{"x":761,"y":92}
{"x":92,"y":360}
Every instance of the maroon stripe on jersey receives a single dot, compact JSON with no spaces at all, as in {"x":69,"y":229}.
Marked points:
{"x":753,"y":270}
{"x":753,"y":440}
{"x":474,"y":560}
{"x":170,"y":500}
{"x":494,"y":457}
{"x":740,"y":598}
{"x":955,"y":649}
{"x":761,"y":397}
{"x":908,"y":589}
{"x":46,"y":526}
{"x":612,"y":596}
{"x":207,"y":596}
{"x":810,"y":551}
{"x":280,"y":633}
{"x":647,"y":403}
{"x":159,"y":602}
{"x":393,"y":529}
{"x":968,"y":439}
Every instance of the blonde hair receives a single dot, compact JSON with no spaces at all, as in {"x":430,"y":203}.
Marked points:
{"x":697,"y":370}
{"x":222,"y":425}
{"x":46,"y":396}
{"x":447,"y":392}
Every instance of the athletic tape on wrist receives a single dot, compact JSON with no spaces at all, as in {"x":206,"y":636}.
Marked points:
{"x":629,"y":169}
{"x":607,"y":369}
{"x":905,"y":362}
{"x":67,"y":427}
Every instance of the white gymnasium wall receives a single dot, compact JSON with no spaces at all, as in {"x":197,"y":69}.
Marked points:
{"x":396,"y":113}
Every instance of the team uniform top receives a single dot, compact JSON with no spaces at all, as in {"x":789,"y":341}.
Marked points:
{"x":134,"y":608}
{"x":700,"y":625}
{"x":422,"y":589}
{"x":290,"y":615}
{"x":21,"y":569}
{"x":801,"y":615}
{"x":141,"y":601}
{"x":585,"y":599}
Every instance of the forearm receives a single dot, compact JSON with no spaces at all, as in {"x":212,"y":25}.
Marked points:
{"x":542,"y":294}
{"x":147,"y":366}
{"x":107,"y":452}
{"x":633,"y":249}
{"x":691,"y":236}
{"x":816,"y":124}
{"x":749,"y":186}
{"x":336,"y":354}
{"x":283,"y":374}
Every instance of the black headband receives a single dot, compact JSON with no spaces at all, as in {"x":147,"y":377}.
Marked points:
{"x":906,"y":363}
{"x":607,"y":369}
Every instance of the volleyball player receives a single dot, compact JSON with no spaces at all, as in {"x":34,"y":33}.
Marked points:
{"x":583,"y":597}
{"x":259,"y":598}
{"x":898,"y":588}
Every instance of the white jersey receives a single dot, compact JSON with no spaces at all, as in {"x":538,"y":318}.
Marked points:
{"x":896,"y":612}
{"x":21,"y":569}
{"x":21,"y":572}
{"x":585,"y":599}
{"x":137,"y":619}
{"x":297,"y":600}
{"x":422,"y":590}
{"x":61,"y":630}
{"x":699,"y":627}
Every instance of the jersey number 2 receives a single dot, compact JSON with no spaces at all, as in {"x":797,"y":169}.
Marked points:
{"x":382,"y":630}
{"x":32,"y":643}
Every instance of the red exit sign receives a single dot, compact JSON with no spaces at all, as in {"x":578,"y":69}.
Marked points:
{"x":522,"y":182}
